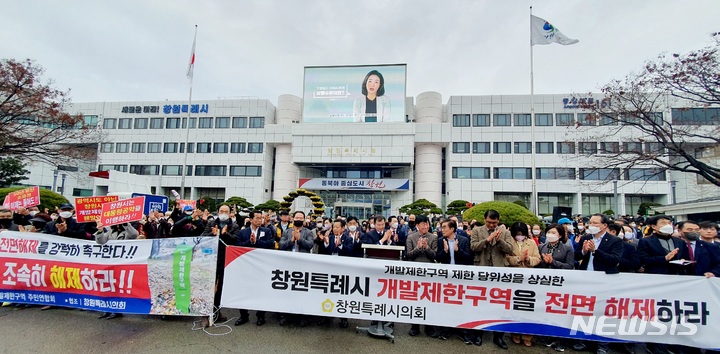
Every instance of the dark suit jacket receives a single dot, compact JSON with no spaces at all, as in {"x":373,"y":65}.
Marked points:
{"x":263,"y":238}
{"x":630,"y":260}
{"x":707,"y":258}
{"x":372,"y":237}
{"x":462,"y":256}
{"x":652,"y":255}
{"x":606,"y":257}
{"x":357,"y":250}
{"x":74,"y":229}
{"x":346,"y":243}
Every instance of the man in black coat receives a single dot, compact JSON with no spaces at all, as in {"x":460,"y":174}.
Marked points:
{"x":598,"y":250}
{"x":66,"y":225}
{"x":256,"y":236}
{"x":659,"y":249}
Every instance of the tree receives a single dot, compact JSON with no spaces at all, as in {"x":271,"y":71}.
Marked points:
{"x":271,"y":204}
{"x":645,"y":206}
{"x":33,"y":123}
{"x":420,"y":206}
{"x":241,"y":202}
{"x":208,"y":203}
{"x":457,"y":207}
{"x":634,"y":104}
{"x":509,"y":213}
{"x":12,"y":171}
{"x":48,"y":198}
{"x":521,"y":203}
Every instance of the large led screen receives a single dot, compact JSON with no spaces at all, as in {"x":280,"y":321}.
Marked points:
{"x":362,"y":94}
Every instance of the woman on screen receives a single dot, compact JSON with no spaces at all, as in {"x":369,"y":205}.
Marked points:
{"x":374,"y":106}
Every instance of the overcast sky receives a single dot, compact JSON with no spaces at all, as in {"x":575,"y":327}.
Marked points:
{"x":139,"y":50}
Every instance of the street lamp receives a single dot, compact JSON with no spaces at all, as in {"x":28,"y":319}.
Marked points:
{"x":673,"y":184}
{"x":62,"y":188}
{"x":55,"y":175}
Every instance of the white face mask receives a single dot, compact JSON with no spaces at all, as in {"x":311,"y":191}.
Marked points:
{"x":188,"y":212}
{"x":580,"y":227}
{"x":629,"y":235}
{"x":520,"y":238}
{"x":667,"y":229}
{"x":460,"y":227}
{"x":66,"y":214}
{"x":33,"y":213}
{"x":352,"y":228}
{"x":536,"y":232}
{"x":593,"y":230}
{"x":552,"y":237}
{"x":570,"y":228}
{"x":223,"y":217}
{"x":394,"y":225}
{"x":372,"y":226}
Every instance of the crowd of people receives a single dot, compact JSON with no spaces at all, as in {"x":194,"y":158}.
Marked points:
{"x":593,"y":243}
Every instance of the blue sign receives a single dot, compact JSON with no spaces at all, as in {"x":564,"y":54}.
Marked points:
{"x":153,"y":202}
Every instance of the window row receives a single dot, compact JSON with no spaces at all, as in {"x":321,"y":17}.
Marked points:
{"x":169,"y":148}
{"x":546,"y":119}
{"x":588,"y":174}
{"x":181,"y":123}
{"x":551,"y":147}
{"x":176,"y":170}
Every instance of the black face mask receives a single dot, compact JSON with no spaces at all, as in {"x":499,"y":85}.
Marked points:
{"x":411,"y":224}
{"x":5,"y":223}
{"x":298,"y":223}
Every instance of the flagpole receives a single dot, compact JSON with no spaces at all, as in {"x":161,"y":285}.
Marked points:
{"x":533,"y":173}
{"x":187,"y":125}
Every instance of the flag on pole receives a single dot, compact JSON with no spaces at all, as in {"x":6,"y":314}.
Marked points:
{"x":542,"y":32}
{"x":191,"y":65}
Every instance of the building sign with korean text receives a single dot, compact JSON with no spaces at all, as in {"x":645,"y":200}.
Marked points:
{"x":357,"y":184}
{"x":138,"y":276}
{"x":553,"y":302}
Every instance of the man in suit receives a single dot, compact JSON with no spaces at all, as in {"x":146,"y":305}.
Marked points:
{"x":399,"y":237}
{"x":356,"y":235}
{"x":709,"y":232}
{"x":337,"y":243}
{"x":659,"y":249}
{"x":297,"y":239}
{"x":490,"y":244}
{"x":378,"y":235}
{"x":65,"y":225}
{"x":256,"y":236}
{"x":422,"y":246}
{"x":630,"y":260}
{"x":705,"y":255}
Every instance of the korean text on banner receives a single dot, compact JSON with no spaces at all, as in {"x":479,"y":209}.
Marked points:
{"x":23,"y":198}
{"x":558,"y":303}
{"x":120,"y":276}
{"x":89,"y":209}
{"x":122,"y":211}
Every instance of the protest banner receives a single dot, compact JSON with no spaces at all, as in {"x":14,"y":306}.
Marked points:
{"x":560,"y":303}
{"x":138,"y":276}
{"x":122,"y":211}
{"x":89,"y":209}
{"x":181,"y":203}
{"x":23,"y":198}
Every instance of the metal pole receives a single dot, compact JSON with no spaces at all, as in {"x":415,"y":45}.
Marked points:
{"x":187,"y":129}
{"x":55,"y":175}
{"x":533,"y":174}
{"x":617,"y":202}
{"x":62,"y":188}
{"x":672,"y":187}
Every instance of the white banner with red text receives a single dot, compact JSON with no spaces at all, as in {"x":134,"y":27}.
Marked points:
{"x":172,"y":276}
{"x":563,"y":303}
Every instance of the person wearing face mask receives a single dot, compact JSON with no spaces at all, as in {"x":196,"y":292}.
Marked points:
{"x":555,"y":253}
{"x":537,"y":235}
{"x":6,"y":220}
{"x":422,"y":246}
{"x":22,"y":216}
{"x":399,"y":237}
{"x":629,"y":261}
{"x":379,"y":235}
{"x":660,"y":248}
{"x":598,"y":250}
{"x":66,"y":225}
{"x":706,"y":256}
{"x":355,"y":233}
{"x":300,"y":239}
{"x":190,"y":224}
{"x":570,"y":231}
{"x":525,"y":255}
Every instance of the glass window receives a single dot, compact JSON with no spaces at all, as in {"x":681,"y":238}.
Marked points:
{"x":193,"y":123}
{"x":79,"y":192}
{"x":222,"y":122}
{"x":154,"y":148}
{"x":609,"y":119}
{"x":461,"y":172}
{"x":107,"y":147}
{"x":210,"y":170}
{"x":109,"y":123}
{"x":461,"y":148}
{"x":543,"y":120}
{"x":220,"y":148}
{"x":206,"y":123}
{"x":245,"y":171}
{"x":91,"y":121}
{"x":481,"y":120}
{"x":125,"y":123}
{"x":501,"y":120}
{"x":542,"y":147}
{"x":461,"y":120}
{"x":564,"y":119}
{"x":555,"y":173}
{"x":503,"y":173}
{"x":609,"y":147}
{"x":654,"y":148}
{"x":597,"y":203}
{"x":176,"y":170}
{"x":565,"y":147}
{"x":138,"y":148}
{"x":587,"y":119}
{"x":502,"y":148}
{"x":204,"y":148}
{"x":481,"y":148}
{"x":156,"y":123}
{"x":170,"y":148}
{"x":122,"y":147}
{"x":599,"y":174}
{"x":523,"y":120}
{"x":237,"y":148}
{"x":121,"y":168}
{"x":257,"y":122}
{"x":645,"y":174}
{"x":695,"y":116}
{"x":191,"y":148}
{"x":471,"y":172}
{"x":145,"y":170}
{"x":239,"y":122}
{"x":632,"y":147}
{"x":255,"y":148}
{"x":172,"y":123}
{"x":588,"y":148}
{"x":523,"y":148}
{"x":141,"y":123}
